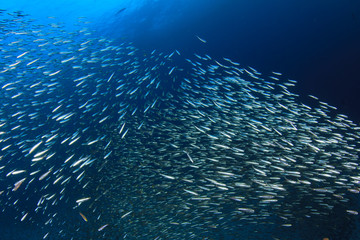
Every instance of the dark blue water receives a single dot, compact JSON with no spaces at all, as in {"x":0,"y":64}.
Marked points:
{"x":315,"y":43}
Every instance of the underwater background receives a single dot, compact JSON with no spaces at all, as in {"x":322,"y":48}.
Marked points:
{"x":315,"y":42}
{"x":110,"y":150}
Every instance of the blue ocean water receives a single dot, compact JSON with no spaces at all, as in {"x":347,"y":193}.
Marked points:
{"x":315,"y":43}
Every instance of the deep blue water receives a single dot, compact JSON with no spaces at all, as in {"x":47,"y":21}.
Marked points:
{"x":315,"y":43}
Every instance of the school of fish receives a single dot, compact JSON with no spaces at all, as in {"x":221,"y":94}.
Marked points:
{"x":101,"y":140}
